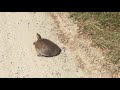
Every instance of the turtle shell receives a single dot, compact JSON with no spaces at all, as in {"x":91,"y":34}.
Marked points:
{"x":46,"y":48}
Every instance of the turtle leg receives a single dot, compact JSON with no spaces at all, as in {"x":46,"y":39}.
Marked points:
{"x":39,"y":55}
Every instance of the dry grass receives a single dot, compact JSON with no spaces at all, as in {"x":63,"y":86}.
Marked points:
{"x":103,"y":28}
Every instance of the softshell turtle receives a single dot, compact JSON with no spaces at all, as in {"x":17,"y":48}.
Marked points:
{"x":45,"y":47}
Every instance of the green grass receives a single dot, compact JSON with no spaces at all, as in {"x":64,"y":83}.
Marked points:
{"x":103,"y":28}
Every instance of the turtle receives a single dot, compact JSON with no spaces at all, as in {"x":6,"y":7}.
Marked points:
{"x":45,"y":47}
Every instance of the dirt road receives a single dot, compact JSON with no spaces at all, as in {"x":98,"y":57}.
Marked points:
{"x":18,"y":58}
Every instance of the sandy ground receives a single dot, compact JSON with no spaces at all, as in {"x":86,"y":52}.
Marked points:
{"x":18,"y":58}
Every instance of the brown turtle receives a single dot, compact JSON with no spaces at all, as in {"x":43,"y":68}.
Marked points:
{"x":45,"y":47}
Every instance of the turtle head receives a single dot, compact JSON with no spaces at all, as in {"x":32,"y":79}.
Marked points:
{"x":38,"y":36}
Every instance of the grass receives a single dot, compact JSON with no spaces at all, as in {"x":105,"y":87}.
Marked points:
{"x":103,"y":28}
